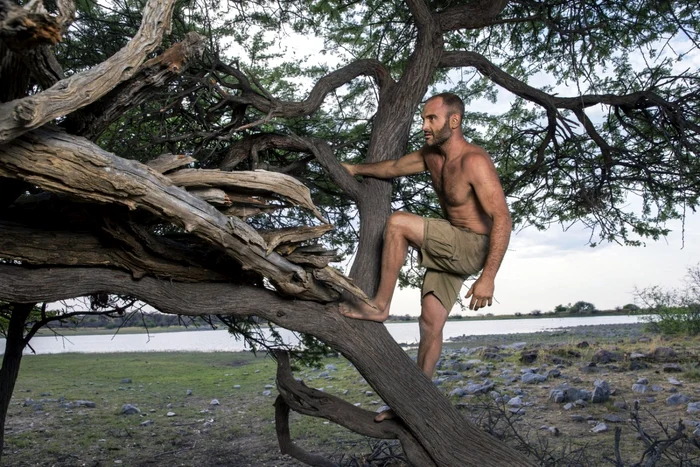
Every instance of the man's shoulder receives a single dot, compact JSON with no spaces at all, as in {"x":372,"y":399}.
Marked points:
{"x":472,"y":154}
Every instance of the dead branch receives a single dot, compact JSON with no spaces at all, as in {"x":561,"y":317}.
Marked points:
{"x":22,"y":115}
{"x":29,"y":26}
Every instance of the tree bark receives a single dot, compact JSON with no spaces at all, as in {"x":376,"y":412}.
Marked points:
{"x":11,"y":361}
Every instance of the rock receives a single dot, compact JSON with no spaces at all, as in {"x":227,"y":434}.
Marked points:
{"x":578,"y":418}
{"x":324,"y":374}
{"x":331,"y":367}
{"x":269,"y":386}
{"x":532,"y":378}
{"x":483,"y":373}
{"x":606,"y":356}
{"x":170,"y":414}
{"x":640,"y":388}
{"x":515,"y":402}
{"x":459,"y":392}
{"x":637,"y":356}
{"x":568,"y":406}
{"x":677,"y":399}
{"x":128,"y":409}
{"x":557,"y":396}
{"x":146,"y":423}
{"x":236,"y":386}
{"x":492,"y":356}
{"x":600,"y":428}
{"x":88,"y":404}
{"x":612,"y":418}
{"x":672,"y":368}
{"x":642,"y":381}
{"x":636,"y":365}
{"x":663,"y":354}
{"x":529,"y":356}
{"x":515,"y":346}
{"x":581,"y":403}
{"x":369,"y":393}
{"x":674,"y":381}
{"x":214,"y":402}
{"x":656,"y":388}
{"x":693,"y":407}
{"x":125,"y":381}
{"x":483,"y":388}
{"x":554,"y":431}
{"x":583,"y":345}
{"x":622,"y":405}
{"x":267,"y":393}
{"x":189,"y":392}
{"x":601,"y":392}
{"x":553,"y":373}
{"x":462,"y":366}
{"x":28,"y":402}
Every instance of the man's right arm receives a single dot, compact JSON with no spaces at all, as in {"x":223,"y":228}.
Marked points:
{"x":409,"y":164}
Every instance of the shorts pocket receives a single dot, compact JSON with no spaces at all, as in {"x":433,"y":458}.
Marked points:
{"x":442,"y":242}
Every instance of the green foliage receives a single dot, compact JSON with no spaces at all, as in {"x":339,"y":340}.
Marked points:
{"x":582,"y":307}
{"x":561,"y":309}
{"x":673,"y":311}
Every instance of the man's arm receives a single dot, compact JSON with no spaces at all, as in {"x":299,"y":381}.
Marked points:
{"x":409,"y":164}
{"x":488,"y":190}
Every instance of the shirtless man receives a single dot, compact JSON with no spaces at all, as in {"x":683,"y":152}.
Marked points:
{"x":474,"y":235}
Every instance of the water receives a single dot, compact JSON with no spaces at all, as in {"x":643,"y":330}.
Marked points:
{"x":222,"y":341}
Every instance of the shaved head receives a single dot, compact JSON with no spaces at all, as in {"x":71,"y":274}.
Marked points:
{"x":453,"y":102}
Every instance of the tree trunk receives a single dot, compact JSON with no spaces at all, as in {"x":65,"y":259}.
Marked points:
{"x":11,"y":361}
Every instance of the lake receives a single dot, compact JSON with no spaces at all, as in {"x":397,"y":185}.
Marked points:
{"x":222,"y":341}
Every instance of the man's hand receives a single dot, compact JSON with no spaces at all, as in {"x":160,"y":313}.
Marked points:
{"x":349,"y":167}
{"x":481,"y":293}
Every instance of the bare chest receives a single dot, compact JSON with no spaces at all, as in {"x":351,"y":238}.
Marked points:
{"x":450,"y":182}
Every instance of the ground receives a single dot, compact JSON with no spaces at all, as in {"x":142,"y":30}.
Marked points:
{"x":47,"y":425}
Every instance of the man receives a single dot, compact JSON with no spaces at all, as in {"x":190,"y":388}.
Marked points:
{"x":473,"y":236}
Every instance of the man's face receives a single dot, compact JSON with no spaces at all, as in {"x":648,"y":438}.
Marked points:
{"x":436,"y":123}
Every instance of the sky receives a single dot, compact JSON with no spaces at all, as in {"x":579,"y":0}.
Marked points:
{"x":544,"y":269}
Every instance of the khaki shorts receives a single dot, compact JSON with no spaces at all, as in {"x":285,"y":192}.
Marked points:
{"x":450,"y":254}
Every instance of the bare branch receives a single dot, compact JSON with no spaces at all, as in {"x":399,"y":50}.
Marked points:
{"x":81,"y":89}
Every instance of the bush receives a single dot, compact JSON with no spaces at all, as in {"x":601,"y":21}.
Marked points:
{"x":674,"y":311}
{"x":561,"y":309}
{"x":583,"y":307}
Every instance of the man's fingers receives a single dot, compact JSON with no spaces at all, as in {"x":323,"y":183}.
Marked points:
{"x":470,"y":292}
{"x":490,"y":301}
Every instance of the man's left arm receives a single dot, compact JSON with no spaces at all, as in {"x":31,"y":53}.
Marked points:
{"x":488,"y":190}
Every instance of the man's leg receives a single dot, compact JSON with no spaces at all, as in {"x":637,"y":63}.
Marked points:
{"x":402,"y":229}
{"x":432,"y":321}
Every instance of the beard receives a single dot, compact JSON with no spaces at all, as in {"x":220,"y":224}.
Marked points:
{"x":441,"y":136}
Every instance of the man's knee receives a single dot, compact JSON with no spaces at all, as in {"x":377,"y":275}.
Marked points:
{"x":406,"y":225}
{"x":433,"y":315}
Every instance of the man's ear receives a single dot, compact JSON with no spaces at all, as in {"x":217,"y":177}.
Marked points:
{"x":454,"y":121}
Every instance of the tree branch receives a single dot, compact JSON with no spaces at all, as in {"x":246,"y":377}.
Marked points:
{"x":81,"y":89}
{"x":474,"y":15}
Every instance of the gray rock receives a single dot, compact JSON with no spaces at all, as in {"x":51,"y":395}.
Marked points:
{"x":642,"y":381}
{"x":369,"y":393}
{"x":581,"y":403}
{"x":324,"y":374}
{"x":528,"y":356}
{"x":483,"y":373}
{"x":697,"y":432}
{"x":236,"y":386}
{"x":662,"y":354}
{"x":672,"y":368}
{"x":126,"y":381}
{"x":553,"y":373}
{"x":640,"y":388}
{"x":677,"y":399}
{"x":189,"y":392}
{"x":146,"y":423}
{"x":267,"y":393}
{"x":214,"y":402}
{"x":600,"y":428}
{"x":601,"y":392}
{"x":331,"y":367}
{"x":532,"y":378}
{"x":656,"y":388}
{"x":568,"y":406}
{"x":622,"y":405}
{"x":557,"y":396}
{"x":459,"y":392}
{"x":693,"y":407}
{"x":674,"y":381}
{"x":578,"y":418}
{"x":28,"y":402}
{"x":606,"y":356}
{"x":269,"y":386}
{"x":554,"y":431}
{"x":637,"y":356}
{"x":515,"y":346}
{"x":515,"y":402}
{"x":612,"y":418}
{"x":170,"y":414}
{"x":88,"y":404}
{"x":128,"y":409}
{"x":483,"y":388}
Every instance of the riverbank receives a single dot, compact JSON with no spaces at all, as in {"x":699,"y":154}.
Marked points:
{"x":216,"y":409}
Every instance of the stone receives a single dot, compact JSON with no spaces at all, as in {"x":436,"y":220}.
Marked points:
{"x":637,"y":356}
{"x":606,"y":356}
{"x":553,"y":373}
{"x":578,"y":418}
{"x":214,"y":402}
{"x":642,"y":381}
{"x":601,"y":392}
{"x":583,"y":345}
{"x":672,"y":368}
{"x":267,"y":393}
{"x":515,"y":402}
{"x":612,"y":418}
{"x":269,"y":386}
{"x":170,"y":414}
{"x":557,"y":396}
{"x":568,"y":406}
{"x":189,"y":392}
{"x":125,"y":381}
{"x":483,"y":388}
{"x":528,"y":356}
{"x":236,"y":386}
{"x":128,"y":409}
{"x":533,"y":378}
{"x":483,"y":373}
{"x":677,"y":399}
{"x":324,"y":374}
{"x":622,"y":405}
{"x":656,"y":388}
{"x":663,"y":354}
{"x":515,"y":346}
{"x":600,"y":428}
{"x":458,"y":392}
{"x":88,"y":404}
{"x":673,"y":381}
{"x":331,"y":367}
{"x":640,"y":388}
{"x":636,"y":365}
{"x":693,"y":407}
{"x":146,"y":423}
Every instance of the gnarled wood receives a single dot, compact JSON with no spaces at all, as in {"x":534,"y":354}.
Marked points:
{"x":22,"y":115}
{"x":31,"y":26}
{"x":293,"y":235}
{"x":259,"y":180}
{"x":167,"y":162}
{"x":213,"y":196}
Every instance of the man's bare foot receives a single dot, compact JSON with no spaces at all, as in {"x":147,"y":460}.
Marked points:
{"x":358,"y":309}
{"x":385,"y":415}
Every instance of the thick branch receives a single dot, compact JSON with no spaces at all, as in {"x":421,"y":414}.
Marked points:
{"x":474,"y":15}
{"x":323,"y":86}
{"x":31,"y":26}
{"x":66,"y":164}
{"x":284,"y":438}
{"x":92,"y":120}
{"x":81,"y":89}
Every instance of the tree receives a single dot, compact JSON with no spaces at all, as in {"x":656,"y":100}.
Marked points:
{"x":105,"y":205}
{"x":561,"y":309}
{"x":582,"y":307}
